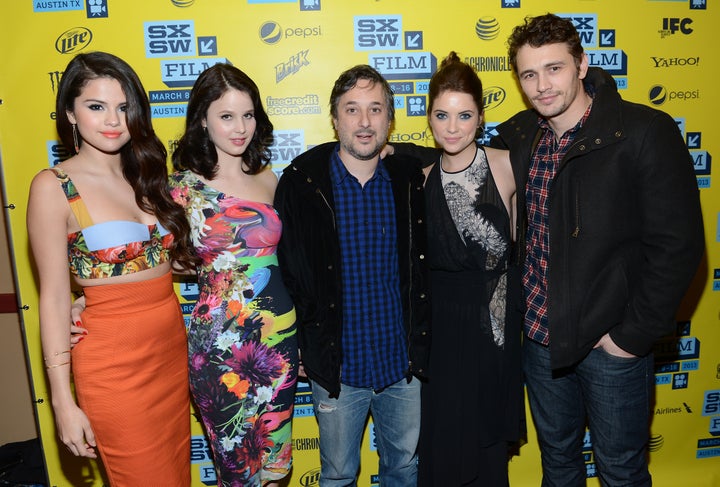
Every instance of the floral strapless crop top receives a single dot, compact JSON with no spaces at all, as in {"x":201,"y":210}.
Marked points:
{"x":111,"y":248}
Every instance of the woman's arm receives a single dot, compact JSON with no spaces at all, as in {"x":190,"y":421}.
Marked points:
{"x":47,"y":218}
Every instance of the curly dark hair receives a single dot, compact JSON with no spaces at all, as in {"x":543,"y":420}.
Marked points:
{"x":195,"y":151}
{"x":455,"y":75}
{"x":349,"y":78}
{"x":143,"y":158}
{"x":545,"y":29}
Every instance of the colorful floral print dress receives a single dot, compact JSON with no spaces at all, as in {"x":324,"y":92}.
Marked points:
{"x":242,"y":343}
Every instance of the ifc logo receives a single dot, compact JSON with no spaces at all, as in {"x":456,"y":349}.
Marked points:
{"x":487,"y":28}
{"x":270,"y":32}
{"x":657,"y":95}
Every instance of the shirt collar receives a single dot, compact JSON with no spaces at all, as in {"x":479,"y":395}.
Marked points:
{"x":338,"y":171}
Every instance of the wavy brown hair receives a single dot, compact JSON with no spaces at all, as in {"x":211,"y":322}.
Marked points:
{"x":143,"y":158}
{"x":545,"y":29}
{"x":195,"y":151}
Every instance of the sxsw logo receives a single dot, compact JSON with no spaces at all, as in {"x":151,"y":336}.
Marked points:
{"x":177,"y":74}
{"x":409,"y":65}
{"x":378,"y":32}
{"x":170,"y":38}
{"x":614,"y":61}
{"x":288,"y":144}
{"x":711,"y":407}
{"x":56,"y":152}
{"x":586,"y":26}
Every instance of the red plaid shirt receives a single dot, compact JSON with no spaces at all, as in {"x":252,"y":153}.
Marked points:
{"x":545,"y":163}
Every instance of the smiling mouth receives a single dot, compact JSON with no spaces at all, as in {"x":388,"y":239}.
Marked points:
{"x":111,"y":135}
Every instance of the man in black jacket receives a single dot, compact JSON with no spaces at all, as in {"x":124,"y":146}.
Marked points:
{"x":609,"y":213}
{"x":352,"y":256}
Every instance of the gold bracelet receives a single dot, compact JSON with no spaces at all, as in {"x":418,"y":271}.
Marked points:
{"x":56,"y":354}
{"x":56,"y":365}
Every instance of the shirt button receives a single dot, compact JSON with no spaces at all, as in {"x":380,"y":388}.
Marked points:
{"x":422,"y":257}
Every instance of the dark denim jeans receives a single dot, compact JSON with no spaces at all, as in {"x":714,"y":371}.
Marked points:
{"x":613,"y":394}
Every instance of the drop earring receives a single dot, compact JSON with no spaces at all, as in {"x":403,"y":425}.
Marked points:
{"x":75,"y":138}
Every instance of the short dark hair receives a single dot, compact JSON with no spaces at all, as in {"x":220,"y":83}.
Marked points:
{"x":347,"y":81}
{"x":545,"y":29}
{"x":195,"y":151}
{"x":455,"y":75}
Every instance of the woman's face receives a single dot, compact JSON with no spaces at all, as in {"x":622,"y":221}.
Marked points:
{"x":454,"y":119}
{"x":231,"y":123}
{"x":99,"y":113}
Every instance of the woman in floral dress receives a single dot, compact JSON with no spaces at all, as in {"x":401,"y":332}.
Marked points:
{"x":242,"y":344}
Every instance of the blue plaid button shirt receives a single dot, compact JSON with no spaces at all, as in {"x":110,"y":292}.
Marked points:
{"x":373,"y":342}
{"x":545,"y":163}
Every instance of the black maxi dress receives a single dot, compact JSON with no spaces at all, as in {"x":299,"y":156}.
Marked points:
{"x":472,"y":405}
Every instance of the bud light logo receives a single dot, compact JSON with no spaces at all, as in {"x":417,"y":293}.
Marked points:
{"x":493,"y":97}
{"x":487,"y":28}
{"x":73,"y":40}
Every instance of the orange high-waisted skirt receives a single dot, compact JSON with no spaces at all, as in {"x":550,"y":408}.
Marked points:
{"x":131,"y":380}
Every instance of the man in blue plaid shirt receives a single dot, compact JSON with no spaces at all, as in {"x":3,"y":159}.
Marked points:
{"x":352,"y":255}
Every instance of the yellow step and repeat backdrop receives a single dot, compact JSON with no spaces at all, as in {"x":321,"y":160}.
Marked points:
{"x":661,"y":52}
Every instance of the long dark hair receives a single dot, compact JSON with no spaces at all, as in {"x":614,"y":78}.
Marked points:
{"x":143,"y":158}
{"x":455,"y":75}
{"x":195,"y":151}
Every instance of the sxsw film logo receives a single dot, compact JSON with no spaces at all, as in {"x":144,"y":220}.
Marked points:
{"x":378,"y":32}
{"x":586,"y":26}
{"x":97,"y":9}
{"x":73,"y":40}
{"x":698,"y":4}
{"x":672,"y":25}
{"x":509,"y":3}
{"x":416,"y":106}
{"x":309,"y":5}
{"x":178,"y":74}
{"x":711,"y":407}
{"x":170,"y":38}
{"x":614,"y":61}
{"x":401,"y":66}
{"x":288,"y":144}
{"x":56,"y":152}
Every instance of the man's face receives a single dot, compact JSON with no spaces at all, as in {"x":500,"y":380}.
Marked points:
{"x":362,"y":121}
{"x":552,"y":82}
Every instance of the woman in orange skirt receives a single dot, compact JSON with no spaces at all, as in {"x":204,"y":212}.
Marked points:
{"x":118,"y":241}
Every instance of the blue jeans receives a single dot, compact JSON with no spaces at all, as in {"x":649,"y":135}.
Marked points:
{"x":614,"y":394}
{"x":341,"y":421}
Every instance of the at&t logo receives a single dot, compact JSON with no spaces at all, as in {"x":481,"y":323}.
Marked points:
{"x":487,"y":28}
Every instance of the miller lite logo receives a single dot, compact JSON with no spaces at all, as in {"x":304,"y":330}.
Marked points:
{"x":73,"y":40}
